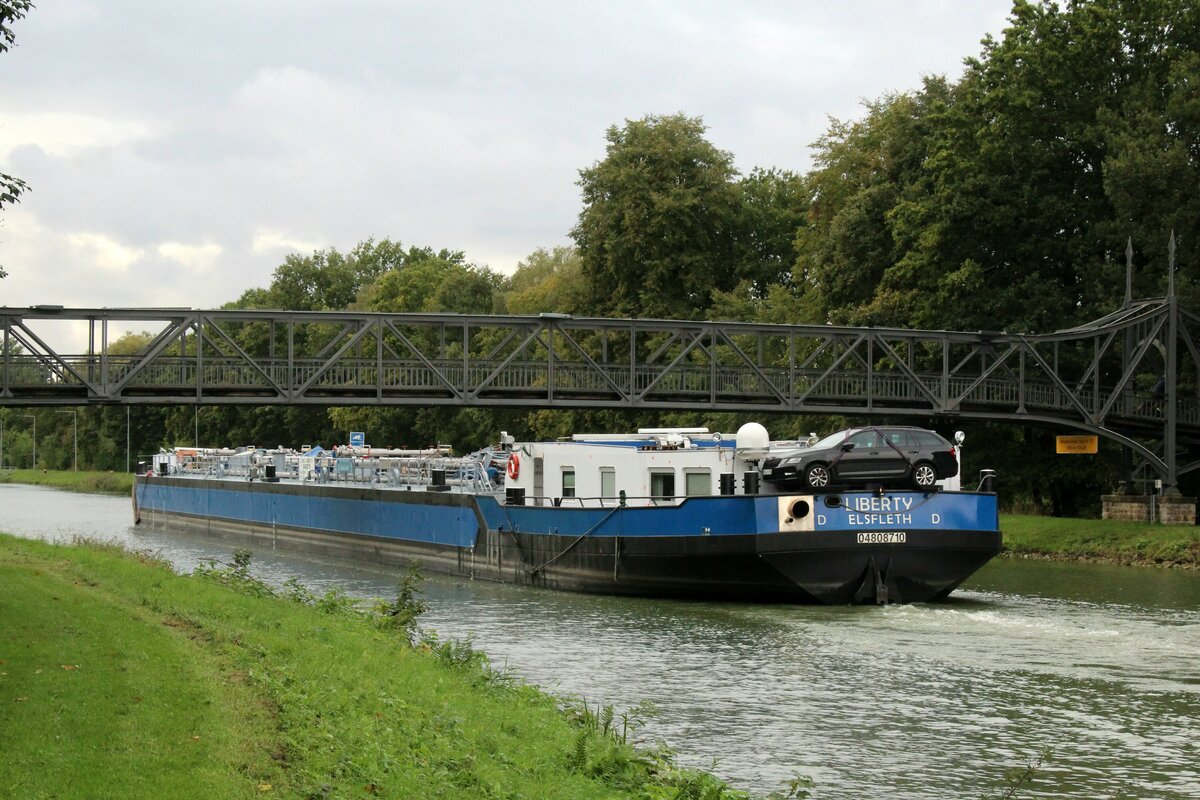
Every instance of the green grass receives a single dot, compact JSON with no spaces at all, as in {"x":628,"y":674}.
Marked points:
{"x":1102,"y":540}
{"x":102,"y":696}
{"x":82,"y":481}
{"x":121,"y":679}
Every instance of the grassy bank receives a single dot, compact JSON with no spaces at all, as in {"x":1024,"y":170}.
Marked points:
{"x":82,"y":481}
{"x":1101,"y":540}
{"x":119,"y":678}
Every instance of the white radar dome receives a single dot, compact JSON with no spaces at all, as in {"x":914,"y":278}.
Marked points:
{"x":752,"y":441}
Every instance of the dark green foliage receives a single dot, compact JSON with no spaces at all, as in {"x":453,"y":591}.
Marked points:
{"x":773,"y":206}
{"x":1017,"y":778}
{"x":667,"y":224}
{"x":401,"y":613}
{"x":656,"y":233}
{"x":11,"y":189}
{"x":864,"y":170}
{"x":1004,"y":201}
{"x":10,"y":12}
{"x":330,"y":280}
{"x":548,"y":280}
{"x":602,"y":750}
{"x":428,"y":281}
{"x":235,"y":574}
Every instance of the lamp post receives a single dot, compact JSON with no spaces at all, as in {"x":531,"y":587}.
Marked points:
{"x":75,"y":422}
{"x":32,"y":417}
{"x":959,"y":438}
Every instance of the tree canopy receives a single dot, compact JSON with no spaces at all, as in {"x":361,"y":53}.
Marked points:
{"x":548,"y":280}
{"x":1004,"y":201}
{"x":656,"y":231}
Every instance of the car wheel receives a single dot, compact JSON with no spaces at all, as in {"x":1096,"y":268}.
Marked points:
{"x":816,"y":476}
{"x":924,"y":476}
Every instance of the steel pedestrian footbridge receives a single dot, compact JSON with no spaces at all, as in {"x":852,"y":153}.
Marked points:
{"x":1131,"y":376}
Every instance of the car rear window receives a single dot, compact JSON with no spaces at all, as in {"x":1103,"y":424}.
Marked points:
{"x":901,"y":438}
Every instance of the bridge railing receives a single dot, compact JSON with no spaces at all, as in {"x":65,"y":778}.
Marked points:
{"x":689,"y":383}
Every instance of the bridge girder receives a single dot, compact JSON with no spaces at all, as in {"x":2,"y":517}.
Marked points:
{"x":1093,"y":378}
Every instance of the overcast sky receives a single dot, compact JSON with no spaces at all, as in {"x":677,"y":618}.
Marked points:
{"x":177,"y":151}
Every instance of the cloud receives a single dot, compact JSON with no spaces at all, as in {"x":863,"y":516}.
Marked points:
{"x":272,"y":241}
{"x":64,"y":134}
{"x":198,"y":257}
{"x":103,"y":251}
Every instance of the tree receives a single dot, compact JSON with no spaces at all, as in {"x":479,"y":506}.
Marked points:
{"x":10,"y":12}
{"x":432,"y":282}
{"x":773,"y":206}
{"x":1004,"y":201}
{"x":1151,"y":164}
{"x":548,"y":280}
{"x":1012,"y":191}
{"x":11,"y":188}
{"x":864,"y":170}
{"x":327,"y":280}
{"x":1062,"y":139}
{"x":657,"y":231}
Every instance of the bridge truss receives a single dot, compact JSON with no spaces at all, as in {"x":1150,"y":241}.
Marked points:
{"x":1098,"y":378}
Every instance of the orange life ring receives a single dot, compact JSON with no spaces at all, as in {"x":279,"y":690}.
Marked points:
{"x":514,"y":466}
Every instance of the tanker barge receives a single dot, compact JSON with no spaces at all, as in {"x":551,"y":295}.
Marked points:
{"x":664,"y":512}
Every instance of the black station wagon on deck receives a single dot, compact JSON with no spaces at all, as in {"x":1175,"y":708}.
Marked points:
{"x":888,"y":456}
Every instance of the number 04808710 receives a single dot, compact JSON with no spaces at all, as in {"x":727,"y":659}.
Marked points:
{"x":881,"y":537}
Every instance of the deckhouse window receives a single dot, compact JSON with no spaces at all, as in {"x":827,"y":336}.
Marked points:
{"x":608,"y":482}
{"x":662,"y":484}
{"x":568,"y":477}
{"x":698,"y":483}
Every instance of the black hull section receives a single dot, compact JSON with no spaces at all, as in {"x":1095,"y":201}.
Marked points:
{"x":828,"y":568}
{"x":812,"y":567}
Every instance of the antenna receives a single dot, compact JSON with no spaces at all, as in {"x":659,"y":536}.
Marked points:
{"x":1171,"y":266}
{"x":1129,"y":272}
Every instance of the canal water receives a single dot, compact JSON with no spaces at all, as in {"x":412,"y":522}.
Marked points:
{"x":1100,"y":664}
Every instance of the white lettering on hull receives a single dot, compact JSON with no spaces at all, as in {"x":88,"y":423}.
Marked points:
{"x":882,"y":512}
{"x":879,"y":504}
{"x":878,"y":520}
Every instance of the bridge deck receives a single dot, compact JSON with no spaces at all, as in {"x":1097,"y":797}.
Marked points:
{"x":1098,"y":377}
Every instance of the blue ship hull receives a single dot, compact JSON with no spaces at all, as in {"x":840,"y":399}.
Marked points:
{"x":850,"y":547}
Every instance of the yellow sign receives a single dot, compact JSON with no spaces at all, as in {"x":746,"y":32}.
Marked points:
{"x":1088,"y":445}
